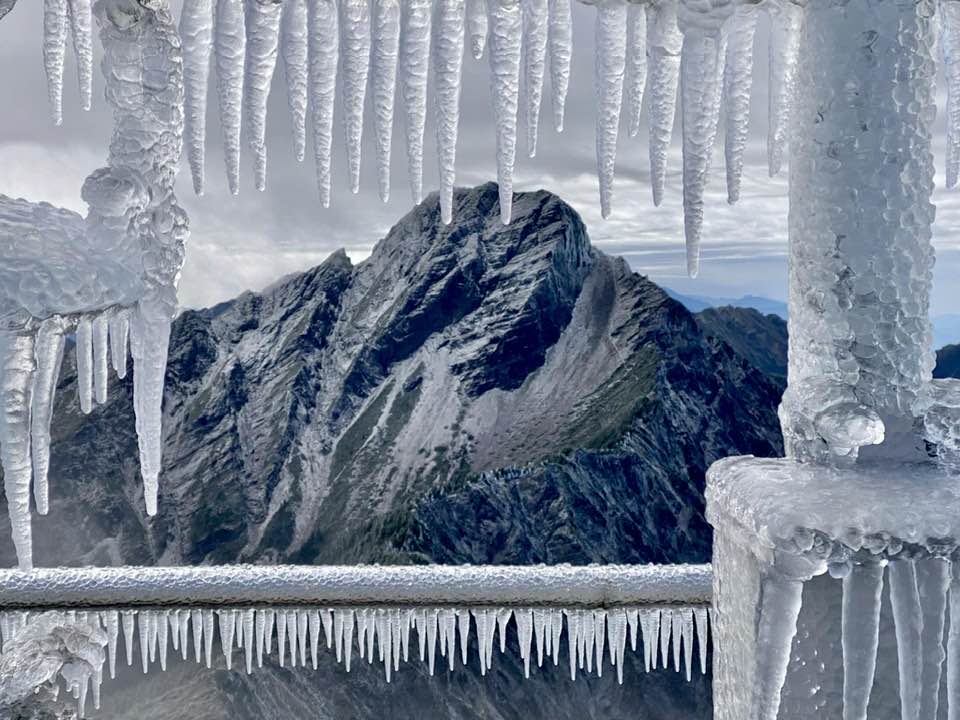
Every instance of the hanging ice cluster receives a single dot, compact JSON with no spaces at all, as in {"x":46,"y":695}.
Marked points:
{"x":109,"y":279}
{"x":73,"y":643}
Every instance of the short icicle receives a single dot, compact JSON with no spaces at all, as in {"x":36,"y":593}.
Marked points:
{"x":447,"y":65}
{"x":504,"y":53}
{"x":229,"y":48}
{"x":611,"y":43}
{"x":386,"y":49}
{"x":99,"y":335}
{"x":84,"y":350}
{"x":785,"y":21}
{"x":81,"y":27}
{"x":477,"y":27}
{"x":702,"y":623}
{"x":119,"y":342}
{"x":54,"y":47}
{"x":636,"y":78}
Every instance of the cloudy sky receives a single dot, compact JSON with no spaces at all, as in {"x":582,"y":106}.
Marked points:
{"x":246,"y":242}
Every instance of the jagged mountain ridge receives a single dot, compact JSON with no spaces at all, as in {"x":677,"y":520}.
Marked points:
{"x":474,"y":393}
{"x":511,"y":378}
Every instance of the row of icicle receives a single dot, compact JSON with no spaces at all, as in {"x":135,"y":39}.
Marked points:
{"x":384,"y":634}
{"x":391,"y":46}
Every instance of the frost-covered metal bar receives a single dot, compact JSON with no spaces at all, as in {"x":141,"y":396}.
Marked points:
{"x":565,"y":586}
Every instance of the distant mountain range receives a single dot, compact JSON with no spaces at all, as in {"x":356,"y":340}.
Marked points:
{"x":470,"y":393}
{"x":946,"y":328}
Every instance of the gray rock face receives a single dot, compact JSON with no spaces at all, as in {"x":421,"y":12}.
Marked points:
{"x":470,"y":393}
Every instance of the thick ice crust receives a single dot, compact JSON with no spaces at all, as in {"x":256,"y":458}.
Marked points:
{"x":541,"y":585}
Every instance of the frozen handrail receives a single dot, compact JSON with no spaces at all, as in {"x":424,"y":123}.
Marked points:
{"x":420,"y":585}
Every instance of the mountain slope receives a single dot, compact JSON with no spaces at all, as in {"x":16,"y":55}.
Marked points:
{"x":470,"y":393}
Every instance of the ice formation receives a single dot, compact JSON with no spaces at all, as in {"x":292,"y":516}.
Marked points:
{"x":74,"y":646}
{"x":97,"y":276}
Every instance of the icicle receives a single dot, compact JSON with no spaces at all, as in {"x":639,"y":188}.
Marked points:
{"x":386,"y":48}
{"x":326,"y":618}
{"x":414,"y":63}
{"x":111,"y":619}
{"x":262,"y":24}
{"x":447,"y":63}
{"x":100,"y":362}
{"x":611,"y":42}
{"x":324,"y":47}
{"x":617,"y":628}
{"x":737,"y":85}
{"x":588,"y":629}
{"x":503,"y":620}
{"x":420,"y":619}
{"x":162,"y":622}
{"x":143,"y":627}
{"x":933,"y":580}
{"x":152,"y":634}
{"x":281,"y":620}
{"x":908,"y":620}
{"x":505,"y":39}
{"x":676,"y":633}
{"x":84,"y":349}
{"x":393,"y":621}
{"x":447,"y":621}
{"x":184,"y":619}
{"x":196,"y":620}
{"x":314,"y":627}
{"x":174,"y":618}
{"x":600,"y":636}
{"x":126,"y":622}
{"x":481,"y":617}
{"x":650,"y":625}
{"x":636,"y":74}
{"x":230,"y":46}
{"x":777,"y":625}
{"x":524,"y":620}
{"x":463,"y":625}
{"x":208,"y":636}
{"x":535,"y":13}
{"x":574,"y":640}
{"x":432,"y":617}
{"x":860,"y":632}
{"x":49,"y":354}
{"x":338,"y":619}
{"x":556,"y":625}
{"x":119,"y":325}
{"x":294,"y":49}
{"x":292,"y":630}
{"x":785,"y":20}
{"x":633,"y":624}
{"x":489,"y":635}
{"x":348,"y":638}
{"x":953,"y":646}
{"x":249,"y":618}
{"x":664,"y":44}
{"x":228,"y":625}
{"x":149,"y":340}
{"x":539,"y":632}
{"x":406,"y":616}
{"x":700,"y":616}
{"x":686,"y":634}
{"x":81,"y":26}
{"x":364,"y":627}
{"x":54,"y":45}
{"x":196,"y":34}
{"x":17,"y":365}
{"x":384,"y":638}
{"x":666,"y":627}
{"x":560,"y":41}
{"x":477,"y":26}
{"x":355,"y":64}
{"x":950,"y":45}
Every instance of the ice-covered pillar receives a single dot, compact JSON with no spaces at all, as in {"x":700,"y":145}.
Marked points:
{"x":831,"y":565}
{"x":861,"y":259}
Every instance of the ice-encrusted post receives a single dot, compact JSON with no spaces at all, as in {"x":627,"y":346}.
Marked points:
{"x":859,"y":495}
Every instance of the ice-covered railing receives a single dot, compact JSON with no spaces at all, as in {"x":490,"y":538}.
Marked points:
{"x":108,"y":278}
{"x":342,"y":51}
{"x":368,"y":612}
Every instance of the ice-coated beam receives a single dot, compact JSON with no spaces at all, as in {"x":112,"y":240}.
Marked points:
{"x":860,"y":629}
{"x":427,"y":585}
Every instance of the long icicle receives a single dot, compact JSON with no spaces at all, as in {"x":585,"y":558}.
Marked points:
{"x":196,"y":34}
{"x":953,"y":646}
{"x":737,"y":85}
{"x":776,"y":627}
{"x":355,"y":66}
{"x":611,"y":43}
{"x":505,"y":39}
{"x":386,"y":49}
{"x":933,"y":581}
{"x":415,"y":19}
{"x":701,"y":69}
{"x":950,"y":45}
{"x":230,"y":46}
{"x":323,"y":39}
{"x":664,"y":44}
{"x":785,"y":20}
{"x":908,"y":621}
{"x":262,"y":24}
{"x":860,"y":631}
{"x":535,"y":13}
{"x":49,"y":356}
{"x":294,"y":48}
{"x":636,"y":64}
{"x":560,"y":41}
{"x":81,"y":27}
{"x":447,"y":66}
{"x":54,"y":47}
